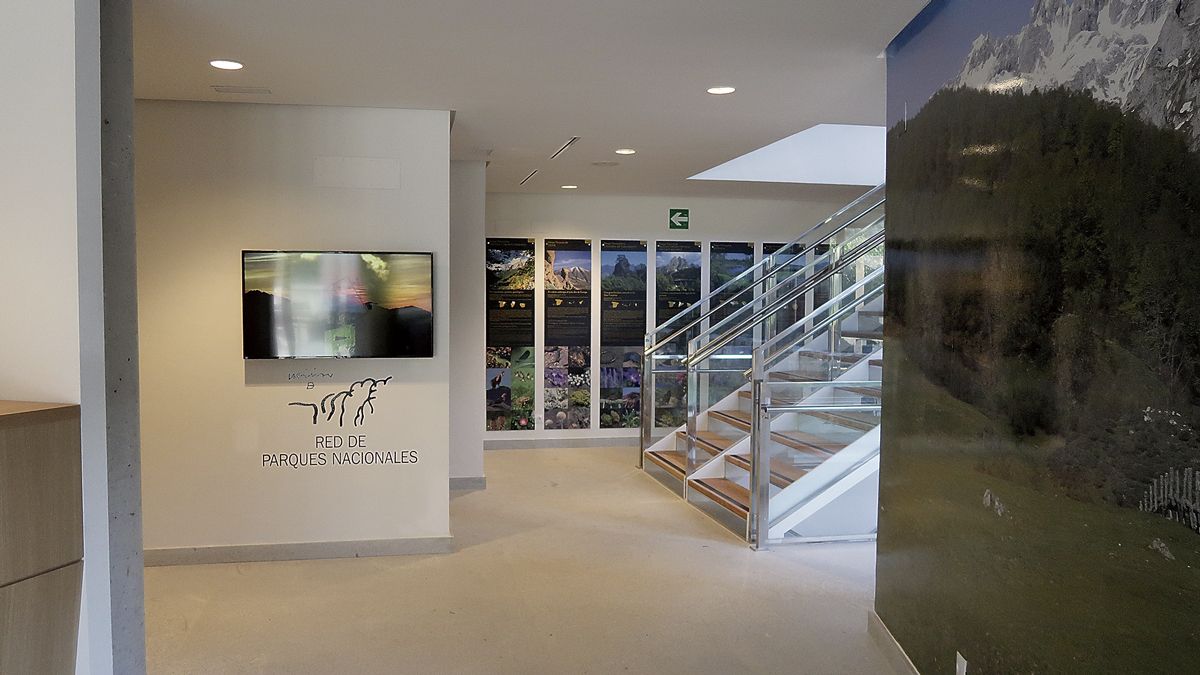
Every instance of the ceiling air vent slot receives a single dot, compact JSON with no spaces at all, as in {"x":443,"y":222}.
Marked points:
{"x":228,"y":89}
{"x":531,"y":175}
{"x":566,"y":145}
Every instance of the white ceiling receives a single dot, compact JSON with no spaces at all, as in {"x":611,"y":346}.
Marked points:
{"x":523,"y":76}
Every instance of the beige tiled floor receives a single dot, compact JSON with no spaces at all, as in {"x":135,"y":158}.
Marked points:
{"x":572,"y":561}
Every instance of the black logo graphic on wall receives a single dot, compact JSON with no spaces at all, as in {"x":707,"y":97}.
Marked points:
{"x":359,"y":397}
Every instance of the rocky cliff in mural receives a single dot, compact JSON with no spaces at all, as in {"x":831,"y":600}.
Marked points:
{"x":1139,"y":55}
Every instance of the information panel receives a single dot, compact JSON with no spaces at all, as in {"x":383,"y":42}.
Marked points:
{"x":677,"y":286}
{"x":568,"y":334}
{"x":511,"y":281}
{"x":623,"y":269}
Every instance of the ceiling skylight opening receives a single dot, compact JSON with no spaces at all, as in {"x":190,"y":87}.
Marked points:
{"x":827,"y":154}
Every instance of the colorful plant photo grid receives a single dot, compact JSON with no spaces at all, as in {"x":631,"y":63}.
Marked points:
{"x":510,"y":388}
{"x":567,"y":387}
{"x":620,"y":375}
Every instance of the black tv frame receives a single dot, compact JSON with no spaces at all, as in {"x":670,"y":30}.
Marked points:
{"x":432,"y":294}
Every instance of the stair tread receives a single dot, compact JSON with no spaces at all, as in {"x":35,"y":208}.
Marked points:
{"x":710,"y":440}
{"x":870,"y":312}
{"x":874,"y":392}
{"x":797,"y":440}
{"x":674,"y":461}
{"x":809,"y":443}
{"x":863,"y":334}
{"x":792,"y":376}
{"x":777,"y":400}
{"x":846,"y":419}
{"x":783,"y":472}
{"x":733,"y":497}
{"x":878,"y":363}
{"x":828,"y":356}
{"x":734,"y":417}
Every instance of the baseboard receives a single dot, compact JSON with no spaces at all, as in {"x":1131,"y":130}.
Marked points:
{"x":887,"y":643}
{"x":468,"y":482}
{"x":207,"y":555}
{"x":541,"y":443}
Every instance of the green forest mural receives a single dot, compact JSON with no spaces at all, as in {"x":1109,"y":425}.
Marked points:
{"x":1040,"y":487}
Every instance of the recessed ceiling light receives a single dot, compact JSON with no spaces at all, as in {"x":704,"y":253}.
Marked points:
{"x":720,"y":91}
{"x":225,"y":64}
{"x":570,"y":187}
{"x":626,"y":151}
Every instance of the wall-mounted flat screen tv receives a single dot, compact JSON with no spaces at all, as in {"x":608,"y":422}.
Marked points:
{"x":330,"y":304}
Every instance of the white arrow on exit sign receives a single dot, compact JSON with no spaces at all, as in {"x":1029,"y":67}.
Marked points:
{"x":678,"y":219}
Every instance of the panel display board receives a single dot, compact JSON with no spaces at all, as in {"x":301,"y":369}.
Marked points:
{"x":511,"y":281}
{"x":677,"y":272}
{"x":568,"y":334}
{"x":726,"y":261}
{"x":794,"y":310}
{"x":623,"y":268}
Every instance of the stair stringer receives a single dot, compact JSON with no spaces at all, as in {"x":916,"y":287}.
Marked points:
{"x":825,"y":486}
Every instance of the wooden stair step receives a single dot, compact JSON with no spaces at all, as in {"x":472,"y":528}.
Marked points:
{"x":674,"y":461}
{"x":873,"y":392}
{"x":844,"y":419}
{"x":776,"y":400}
{"x":794,"y":439}
{"x":811,"y":444}
{"x":863,"y":334}
{"x":870,"y":312}
{"x":783,"y":472}
{"x":877,"y":363}
{"x":733,"y":497}
{"x":709,"y":441}
{"x":829,"y":356}
{"x":738,"y":419}
{"x":791,"y":376}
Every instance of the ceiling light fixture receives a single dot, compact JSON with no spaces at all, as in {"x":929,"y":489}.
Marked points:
{"x":225,"y":64}
{"x":570,"y":187}
{"x":626,"y":151}
{"x":721,"y":91}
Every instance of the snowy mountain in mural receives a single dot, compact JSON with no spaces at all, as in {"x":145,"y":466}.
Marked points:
{"x":1133,"y":53}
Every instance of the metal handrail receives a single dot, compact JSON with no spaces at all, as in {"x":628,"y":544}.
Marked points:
{"x":758,"y":522}
{"x":759,"y":266}
{"x":769,"y":360}
{"x":851,"y":257}
{"x":780,"y":287}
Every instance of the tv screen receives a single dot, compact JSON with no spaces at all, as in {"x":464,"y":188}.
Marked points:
{"x":301,"y":305}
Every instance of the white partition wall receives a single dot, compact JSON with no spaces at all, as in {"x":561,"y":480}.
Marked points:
{"x":213,"y":180}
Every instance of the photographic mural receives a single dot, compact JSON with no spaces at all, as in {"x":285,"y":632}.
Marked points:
{"x":1041,"y":463}
{"x":567,"y":390}
{"x":623,"y":269}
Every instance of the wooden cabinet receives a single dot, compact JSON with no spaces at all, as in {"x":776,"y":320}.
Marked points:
{"x":41,"y":537}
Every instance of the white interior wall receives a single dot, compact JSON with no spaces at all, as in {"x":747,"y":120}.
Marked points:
{"x":212,"y":180}
{"x":598,"y":217}
{"x":49,"y":192}
{"x":468,"y":188}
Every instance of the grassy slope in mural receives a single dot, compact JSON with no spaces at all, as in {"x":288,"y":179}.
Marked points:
{"x":1045,"y":336}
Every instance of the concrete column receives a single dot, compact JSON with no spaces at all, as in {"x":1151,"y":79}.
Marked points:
{"x":121,"y":339}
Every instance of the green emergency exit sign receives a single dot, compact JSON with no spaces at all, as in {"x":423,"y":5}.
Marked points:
{"x":677,"y":219}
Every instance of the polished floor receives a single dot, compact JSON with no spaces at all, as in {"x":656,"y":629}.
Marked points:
{"x":572,"y":561}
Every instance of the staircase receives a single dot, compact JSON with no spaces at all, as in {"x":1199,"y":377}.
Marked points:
{"x":781,"y":372}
